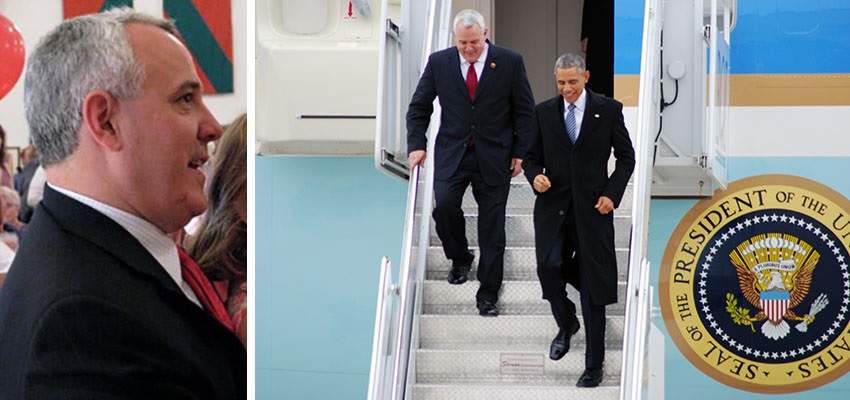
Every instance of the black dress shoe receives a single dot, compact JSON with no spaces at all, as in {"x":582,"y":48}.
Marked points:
{"x":460,"y":270}
{"x":487,"y":308}
{"x":591,"y":377}
{"x":561,"y":343}
{"x":458,"y":274}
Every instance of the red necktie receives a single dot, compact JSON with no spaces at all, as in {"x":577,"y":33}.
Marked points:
{"x":471,"y":85}
{"x":471,"y":80}
{"x":202,"y":287}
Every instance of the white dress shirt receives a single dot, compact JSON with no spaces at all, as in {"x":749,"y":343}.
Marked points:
{"x":581,"y":104}
{"x":156,"y":242}
{"x":479,"y":65}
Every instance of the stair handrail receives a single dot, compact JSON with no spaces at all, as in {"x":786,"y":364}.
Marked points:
{"x":381,"y":353}
{"x":392,"y":317}
{"x":393,"y":382}
{"x":413,"y":272}
{"x":406,"y":288}
{"x":638,"y":295}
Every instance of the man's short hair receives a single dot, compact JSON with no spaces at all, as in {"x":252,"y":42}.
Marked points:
{"x":569,"y":60}
{"x":81,"y":55}
{"x":469,"y":18}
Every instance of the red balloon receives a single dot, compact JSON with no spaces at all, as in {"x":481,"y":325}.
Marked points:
{"x":11,"y":54}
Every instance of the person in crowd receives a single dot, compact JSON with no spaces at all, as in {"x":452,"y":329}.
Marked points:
{"x":23,"y":179}
{"x":7,"y":248}
{"x":28,"y":154}
{"x":12,"y":226}
{"x":36,"y":188}
{"x":6,"y":167}
{"x":484,"y":125}
{"x":220,"y":245}
{"x":573,"y":135}
{"x":10,"y":213}
{"x":100,"y":302}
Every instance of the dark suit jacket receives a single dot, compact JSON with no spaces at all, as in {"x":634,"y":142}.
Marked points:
{"x":579,"y":176}
{"x":498,"y":118}
{"x":597,"y":25}
{"x":87,"y":313}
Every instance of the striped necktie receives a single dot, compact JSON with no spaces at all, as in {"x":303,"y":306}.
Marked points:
{"x":571,"y":123}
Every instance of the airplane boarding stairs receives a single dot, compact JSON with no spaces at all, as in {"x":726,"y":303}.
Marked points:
{"x":430,"y":342}
{"x":459,"y":354}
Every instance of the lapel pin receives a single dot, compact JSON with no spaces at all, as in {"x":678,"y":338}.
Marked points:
{"x":596,"y":115}
{"x":493,"y":65}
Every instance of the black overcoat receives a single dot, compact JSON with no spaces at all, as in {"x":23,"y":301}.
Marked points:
{"x":579,"y":176}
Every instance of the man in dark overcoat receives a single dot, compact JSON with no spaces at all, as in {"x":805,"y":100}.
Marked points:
{"x":573,"y":135}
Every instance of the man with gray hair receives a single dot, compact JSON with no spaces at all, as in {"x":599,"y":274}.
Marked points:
{"x":484,"y":124}
{"x":99,"y":302}
{"x":573,"y":136}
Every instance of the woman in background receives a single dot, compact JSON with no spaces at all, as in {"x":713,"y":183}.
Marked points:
{"x":7,"y":168}
{"x":220,"y":246}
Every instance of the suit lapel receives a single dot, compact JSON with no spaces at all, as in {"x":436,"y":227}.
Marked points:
{"x":592,"y":113}
{"x":554,"y":120}
{"x":490,"y":65}
{"x":454,"y":70}
{"x":89,"y":224}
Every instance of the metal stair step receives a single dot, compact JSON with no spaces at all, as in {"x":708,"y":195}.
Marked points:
{"x":485,"y":367}
{"x":516,"y":298}
{"x":460,"y":353}
{"x":469,"y":392}
{"x":504,"y":333}
{"x":520,"y":230}
{"x":521,"y":199}
{"x":520,"y":264}
{"x":612,"y":163}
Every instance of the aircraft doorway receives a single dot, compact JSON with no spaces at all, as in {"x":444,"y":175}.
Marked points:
{"x":543,"y":30}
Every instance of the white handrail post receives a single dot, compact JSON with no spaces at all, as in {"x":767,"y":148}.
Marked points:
{"x":648,"y":110}
{"x":381,"y":338}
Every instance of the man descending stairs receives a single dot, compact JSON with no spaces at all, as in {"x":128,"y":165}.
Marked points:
{"x":462,"y":355}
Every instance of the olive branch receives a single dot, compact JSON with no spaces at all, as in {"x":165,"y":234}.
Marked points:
{"x":740,"y":315}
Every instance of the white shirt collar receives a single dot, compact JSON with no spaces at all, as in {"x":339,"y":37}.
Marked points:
{"x":580,"y":103}
{"x":481,"y":59}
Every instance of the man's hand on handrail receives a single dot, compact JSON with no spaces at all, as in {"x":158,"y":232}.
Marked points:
{"x":416,"y":157}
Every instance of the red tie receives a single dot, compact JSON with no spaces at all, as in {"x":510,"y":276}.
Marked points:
{"x":471,"y":85}
{"x":202,"y":287}
{"x":471,"y":80}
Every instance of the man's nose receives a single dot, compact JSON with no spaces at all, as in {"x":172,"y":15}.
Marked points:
{"x":209,"y":129}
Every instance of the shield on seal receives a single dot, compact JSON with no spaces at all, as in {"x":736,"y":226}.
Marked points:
{"x":774,"y":303}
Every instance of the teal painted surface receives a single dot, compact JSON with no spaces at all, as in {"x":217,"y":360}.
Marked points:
{"x":323,"y":224}
{"x":683,"y":380}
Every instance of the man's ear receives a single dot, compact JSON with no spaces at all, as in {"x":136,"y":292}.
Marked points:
{"x":99,"y":108}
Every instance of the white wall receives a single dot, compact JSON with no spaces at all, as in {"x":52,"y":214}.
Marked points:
{"x":801,"y":131}
{"x":34,"y":18}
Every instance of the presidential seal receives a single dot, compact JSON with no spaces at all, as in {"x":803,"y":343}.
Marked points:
{"x":754,"y":285}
